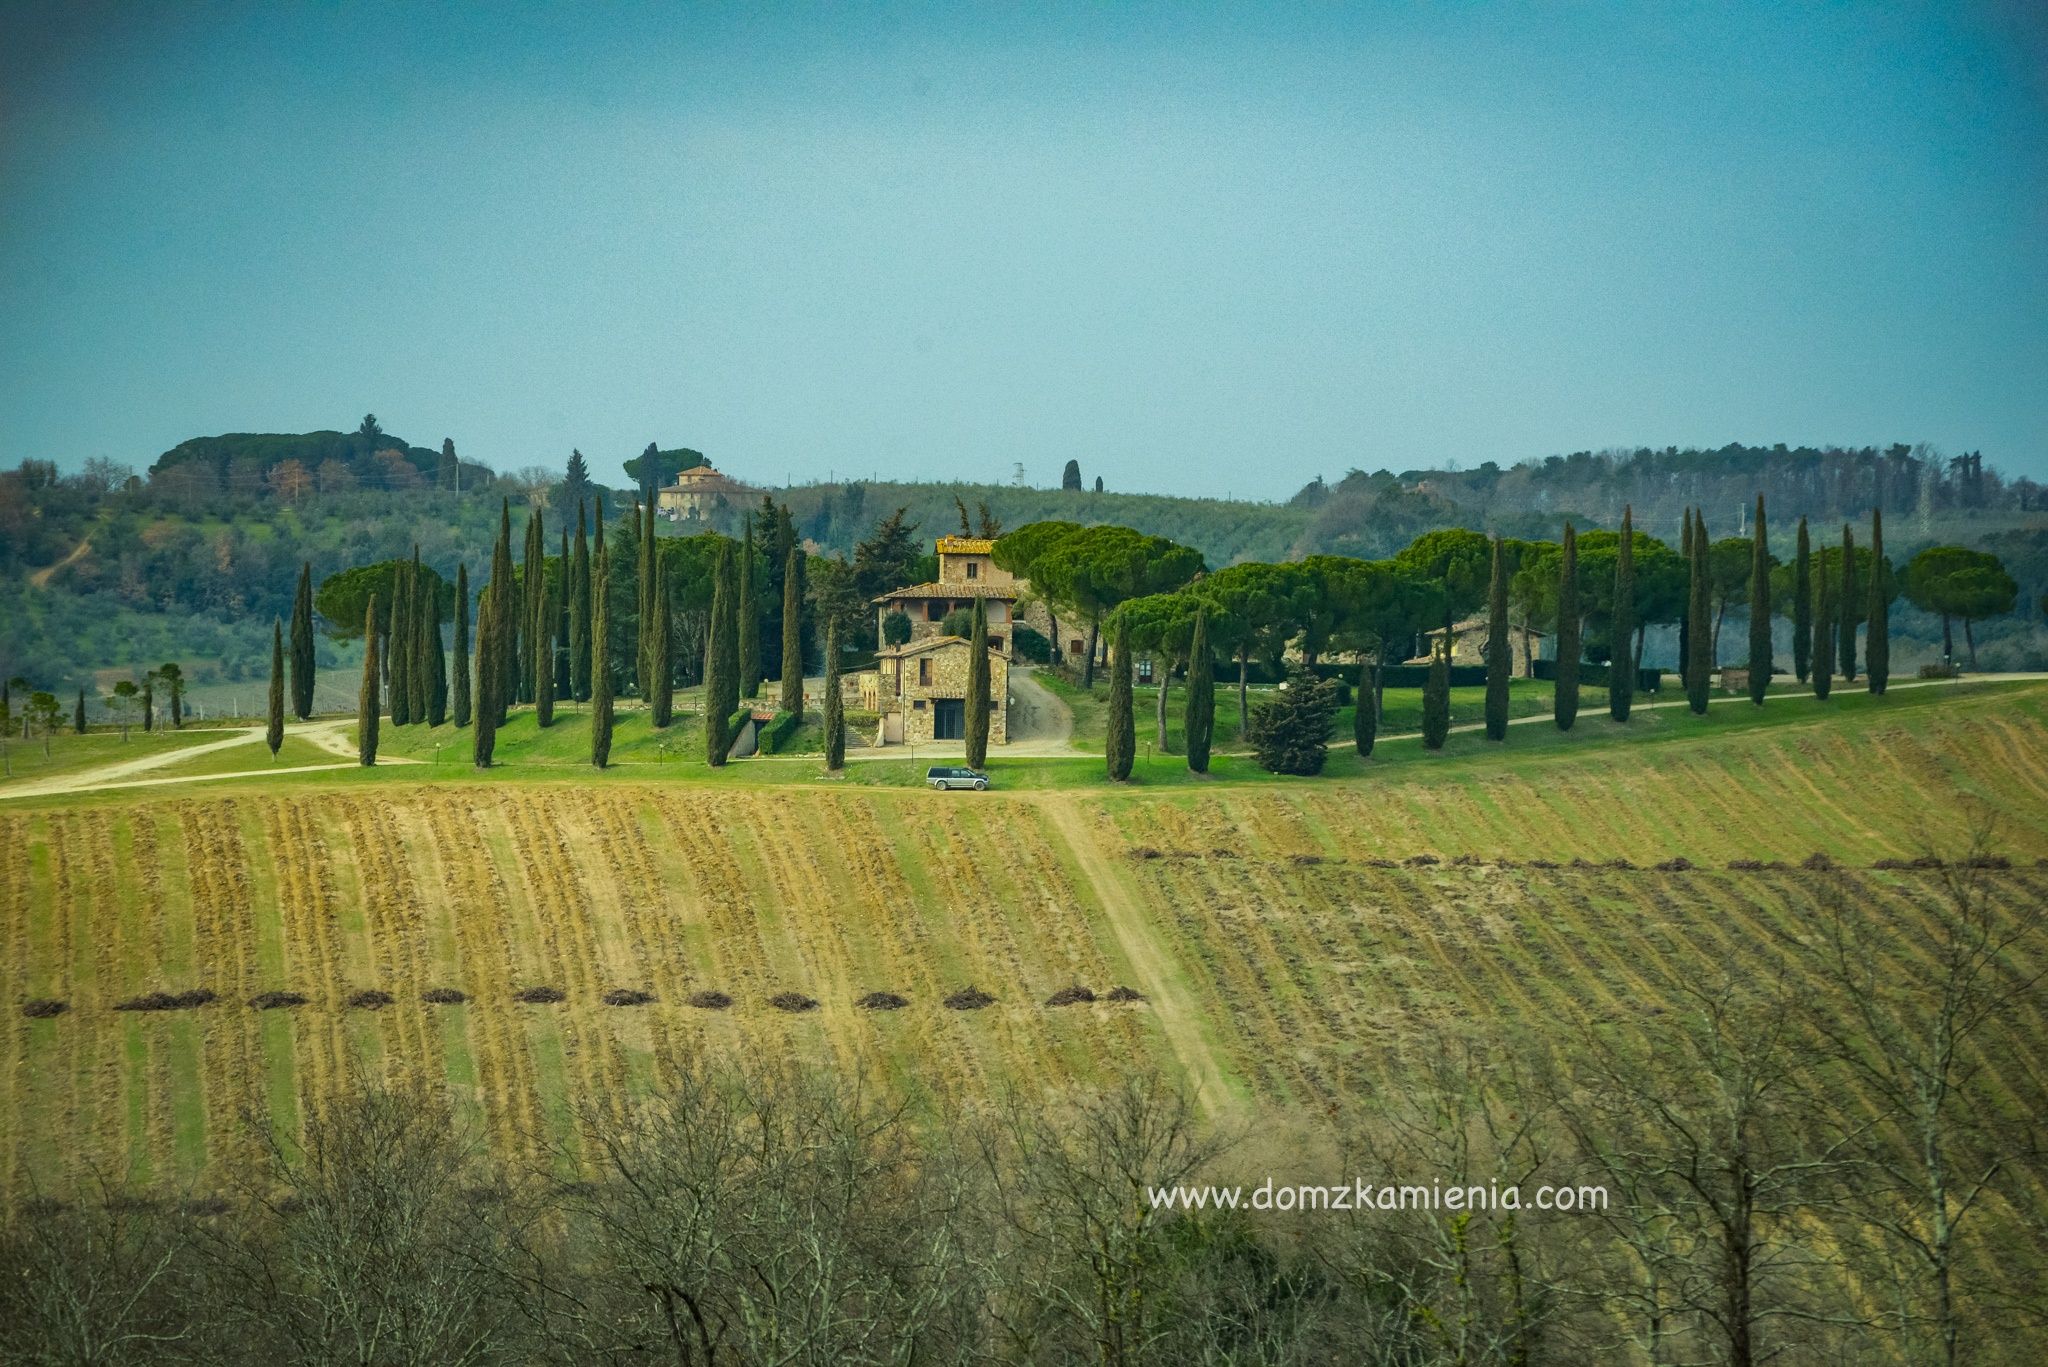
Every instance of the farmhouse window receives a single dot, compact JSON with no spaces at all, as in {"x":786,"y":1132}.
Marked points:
{"x":934,"y":610}
{"x":924,"y":671}
{"x":1144,"y":671}
{"x":973,"y":570}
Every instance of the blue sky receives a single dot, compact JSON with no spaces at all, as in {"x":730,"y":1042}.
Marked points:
{"x":1200,"y":249}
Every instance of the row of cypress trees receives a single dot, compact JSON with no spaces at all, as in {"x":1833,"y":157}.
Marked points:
{"x":537,"y":640}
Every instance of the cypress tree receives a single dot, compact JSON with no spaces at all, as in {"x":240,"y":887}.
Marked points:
{"x":1497,"y":663}
{"x":1685,"y":612}
{"x":437,"y":674}
{"x":977,"y":686}
{"x":662,"y":657}
{"x":544,"y":656}
{"x":1802,"y":605}
{"x":600,"y":666}
{"x":565,"y":686}
{"x":1436,"y":696}
{"x":1198,"y":722}
{"x":78,"y":716}
{"x":367,"y":704}
{"x":749,"y":620}
{"x":1365,"y":716}
{"x":1698,"y":668}
{"x":1122,"y":740}
{"x":533,"y":594}
{"x":302,"y":644}
{"x":602,"y":648}
{"x":643,"y":602}
{"x":461,"y":670}
{"x":426,"y":630}
{"x":400,"y":637}
{"x":148,"y":700}
{"x":835,"y":706}
{"x":504,"y":638}
{"x":1760,"y":652}
{"x":579,"y":615}
{"x":1564,"y":702}
{"x":1845,"y":603}
{"x":1877,"y":635}
{"x":1621,"y":666}
{"x":721,"y":663}
{"x":273,"y":730}
{"x":1823,"y":613}
{"x":793,"y":631}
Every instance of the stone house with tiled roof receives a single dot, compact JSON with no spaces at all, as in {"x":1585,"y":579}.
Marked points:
{"x":967,"y":571}
{"x":920,"y":691}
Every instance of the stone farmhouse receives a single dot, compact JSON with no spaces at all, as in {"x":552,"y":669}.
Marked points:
{"x":696,"y":493}
{"x":1468,"y":645}
{"x":920,"y":687}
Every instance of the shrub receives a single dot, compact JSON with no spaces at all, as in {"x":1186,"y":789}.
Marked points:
{"x":896,"y":628}
{"x":1290,"y":733}
{"x":959,"y":622}
{"x":779,"y":732}
{"x":1029,"y":642}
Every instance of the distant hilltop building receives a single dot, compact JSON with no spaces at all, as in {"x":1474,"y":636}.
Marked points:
{"x":696,"y":493}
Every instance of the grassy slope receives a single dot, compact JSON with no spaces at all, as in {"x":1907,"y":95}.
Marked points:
{"x":1279,"y":957}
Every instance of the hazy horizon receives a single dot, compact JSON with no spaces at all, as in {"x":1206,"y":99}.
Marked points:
{"x":1200,"y":250}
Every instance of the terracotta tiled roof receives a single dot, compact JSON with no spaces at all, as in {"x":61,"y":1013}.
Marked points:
{"x":928,"y":643}
{"x":966,"y":588}
{"x":965,"y":545}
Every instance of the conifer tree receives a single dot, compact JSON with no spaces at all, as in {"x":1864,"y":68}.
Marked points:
{"x":1621,"y":664}
{"x":1436,"y":696}
{"x":793,"y":631}
{"x":174,"y":680}
{"x":1120,"y":745}
{"x":1497,"y":663}
{"x":579,"y":616}
{"x":835,"y":706}
{"x":1760,"y":653}
{"x":1845,"y":609}
{"x":148,"y":700}
{"x":749,"y":619}
{"x":368,"y":704}
{"x":400,"y":637}
{"x":565,"y":686}
{"x":1877,"y":634}
{"x":1365,"y":716}
{"x":437,"y":674}
{"x":1198,"y":722}
{"x":643,"y":602}
{"x":426,"y":631}
{"x":662,"y":657}
{"x":461,"y":670}
{"x":78,"y":716}
{"x":1823,"y":614}
{"x":533,"y":590}
{"x":602,"y":648}
{"x":721,"y":662}
{"x":302,"y":644}
{"x":600,"y":667}
{"x":543,"y":656}
{"x":1685,"y":611}
{"x":1802,"y":605}
{"x":977,"y":686}
{"x":1698,"y":667}
{"x":500,"y":594}
{"x":273,"y":730}
{"x":1564,"y":702}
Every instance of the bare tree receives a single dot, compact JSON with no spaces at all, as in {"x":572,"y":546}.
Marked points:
{"x":1921,"y":1018}
{"x":92,"y":1283}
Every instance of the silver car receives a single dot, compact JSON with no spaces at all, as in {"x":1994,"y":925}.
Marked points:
{"x":942,"y":777}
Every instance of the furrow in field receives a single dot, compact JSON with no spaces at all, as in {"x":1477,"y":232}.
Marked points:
{"x":395,"y":933}
{"x":223,"y":935}
{"x":313,"y":962}
{"x":698,"y":835}
{"x":18,"y":1033}
{"x":507,"y":1081}
{"x":95,"y":987}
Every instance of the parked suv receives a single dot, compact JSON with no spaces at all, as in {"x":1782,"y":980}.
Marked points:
{"x":942,"y":777}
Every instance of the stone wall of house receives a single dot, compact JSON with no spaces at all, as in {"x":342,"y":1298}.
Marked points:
{"x":949,"y":680}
